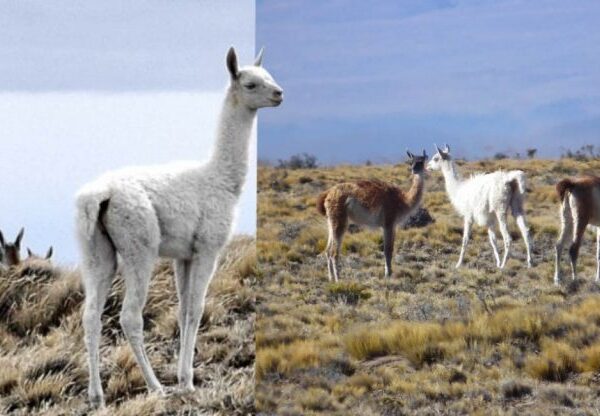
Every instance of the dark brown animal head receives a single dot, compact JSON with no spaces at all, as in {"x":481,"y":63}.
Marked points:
{"x":417,"y":163}
{"x":12,"y":251}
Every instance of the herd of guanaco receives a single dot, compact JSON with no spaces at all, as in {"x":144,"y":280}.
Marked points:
{"x":485,"y":199}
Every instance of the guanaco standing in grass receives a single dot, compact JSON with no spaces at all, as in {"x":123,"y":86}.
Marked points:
{"x":373,"y":203}
{"x":181,"y":211}
{"x":485,"y":199}
{"x":580,"y":206}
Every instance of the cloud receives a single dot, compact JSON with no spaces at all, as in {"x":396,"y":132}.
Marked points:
{"x":113,"y":45}
{"x":486,"y":57}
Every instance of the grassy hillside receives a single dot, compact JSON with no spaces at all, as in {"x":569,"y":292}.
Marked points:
{"x":432,"y":339}
{"x":43,"y":369}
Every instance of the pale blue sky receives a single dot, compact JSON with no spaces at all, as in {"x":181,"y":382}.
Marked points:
{"x":86,"y":87}
{"x":366,"y":81}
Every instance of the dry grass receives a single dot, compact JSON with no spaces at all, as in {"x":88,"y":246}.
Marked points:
{"x":286,"y":358}
{"x":432,"y":339}
{"x":556,"y":362}
{"x":42,"y":357}
{"x":350,"y":292}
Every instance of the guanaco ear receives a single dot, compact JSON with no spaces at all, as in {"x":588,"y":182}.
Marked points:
{"x":259,"y":57}
{"x":19,"y":238}
{"x":29,"y":252}
{"x":2,"y":244}
{"x":442,"y":153}
{"x":49,"y":253}
{"x":410,"y":155}
{"x":447,"y":148}
{"x":425,"y":154}
{"x":232,"y":64}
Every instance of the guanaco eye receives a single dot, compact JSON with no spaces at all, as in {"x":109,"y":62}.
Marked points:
{"x":250,"y":86}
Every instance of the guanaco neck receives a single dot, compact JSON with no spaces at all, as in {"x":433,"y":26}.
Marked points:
{"x":451,"y":179}
{"x":415,"y":193}
{"x":230,"y":156}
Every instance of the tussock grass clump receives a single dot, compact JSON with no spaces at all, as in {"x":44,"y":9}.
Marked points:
{"x":365,"y":344}
{"x":514,"y":389}
{"x":271,"y":251}
{"x":361,"y":243}
{"x":9,"y":376}
{"x":277,"y":337}
{"x":420,"y":342}
{"x":50,"y":389}
{"x":556,"y":362}
{"x":363,"y":381}
{"x":349,"y":292}
{"x":284,"y":359}
{"x":48,"y":365}
{"x":457,"y":377}
{"x":21,"y":293}
{"x":317,"y":399}
{"x":591,"y":358}
{"x":518,"y":322}
{"x":38,"y":269}
{"x":126,"y":379}
{"x":357,"y":386}
{"x":558,"y":395}
{"x":428,"y":342}
{"x":144,"y":404}
{"x":589,"y":310}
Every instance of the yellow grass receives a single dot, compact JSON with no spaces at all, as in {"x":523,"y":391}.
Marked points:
{"x":289,"y":357}
{"x":556,"y":362}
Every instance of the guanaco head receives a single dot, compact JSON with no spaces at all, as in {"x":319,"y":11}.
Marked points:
{"x":32,"y":256}
{"x":417,"y":163}
{"x":253,"y":86}
{"x":12,"y":251}
{"x":441,"y":157}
